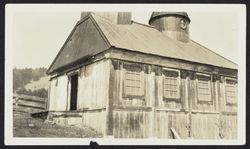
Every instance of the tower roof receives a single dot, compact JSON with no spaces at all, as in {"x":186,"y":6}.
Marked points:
{"x":160,"y":14}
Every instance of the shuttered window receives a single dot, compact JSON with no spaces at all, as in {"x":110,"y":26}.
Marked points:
{"x":204,"y":87}
{"x":171,"y":83}
{"x":133,"y":81}
{"x":231,"y":90}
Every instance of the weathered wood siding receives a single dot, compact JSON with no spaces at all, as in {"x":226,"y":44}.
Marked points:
{"x":131,"y":123}
{"x":205,"y":126}
{"x":148,"y":116}
{"x":101,"y":98}
{"x":95,"y":119}
{"x":93,"y":85}
{"x":170,"y":113}
{"x":228,"y":126}
{"x":92,"y":96}
{"x":154,"y":116}
{"x":165,"y":120}
{"x":58,"y":93}
{"x":93,"y":81}
{"x":228,"y":112}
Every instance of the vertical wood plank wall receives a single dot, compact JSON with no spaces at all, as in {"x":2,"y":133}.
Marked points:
{"x":102,"y":106}
{"x":154,"y":117}
{"x":92,"y":96}
{"x":58,"y":93}
{"x":93,"y":85}
{"x":228,"y":118}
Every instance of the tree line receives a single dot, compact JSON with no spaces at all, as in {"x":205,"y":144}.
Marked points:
{"x":21,"y":77}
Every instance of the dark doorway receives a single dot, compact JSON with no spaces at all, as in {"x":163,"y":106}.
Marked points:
{"x":73,"y":93}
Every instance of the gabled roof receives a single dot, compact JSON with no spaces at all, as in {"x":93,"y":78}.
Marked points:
{"x":84,"y":41}
{"x":135,"y":37}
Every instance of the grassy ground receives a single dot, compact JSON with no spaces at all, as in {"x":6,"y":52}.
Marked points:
{"x":26,"y":126}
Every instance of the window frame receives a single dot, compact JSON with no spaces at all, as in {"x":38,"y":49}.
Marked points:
{"x":199,"y":100}
{"x":230,"y":102}
{"x":142,"y":78}
{"x":178,"y":85}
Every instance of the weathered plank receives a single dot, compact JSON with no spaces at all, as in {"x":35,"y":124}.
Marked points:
{"x":58,"y":93}
{"x":228,"y":127}
{"x":205,"y":126}
{"x":167,"y":120}
{"x":30,"y":104}
{"x":172,"y":63}
{"x":130,"y":124}
{"x":95,"y":119}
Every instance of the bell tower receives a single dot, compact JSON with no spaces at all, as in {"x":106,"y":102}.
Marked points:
{"x":173,"y":24}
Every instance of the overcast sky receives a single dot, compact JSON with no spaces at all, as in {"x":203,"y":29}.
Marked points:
{"x":37,"y":32}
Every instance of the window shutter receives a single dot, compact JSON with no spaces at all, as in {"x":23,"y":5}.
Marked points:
{"x":231,"y":90}
{"x":133,"y":81}
{"x":204,"y":87}
{"x":171,"y":84}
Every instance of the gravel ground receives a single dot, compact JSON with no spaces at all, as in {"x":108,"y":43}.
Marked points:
{"x":26,"y":126}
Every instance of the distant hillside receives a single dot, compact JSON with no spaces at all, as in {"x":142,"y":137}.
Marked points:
{"x":31,"y":81}
{"x":22,"y":77}
{"x":43,"y":82}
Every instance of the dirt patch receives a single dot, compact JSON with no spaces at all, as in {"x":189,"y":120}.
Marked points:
{"x":26,"y":126}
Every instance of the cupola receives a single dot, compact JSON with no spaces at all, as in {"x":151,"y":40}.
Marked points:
{"x":173,"y":24}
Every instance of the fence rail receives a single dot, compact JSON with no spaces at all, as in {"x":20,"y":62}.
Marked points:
{"x":29,"y":104}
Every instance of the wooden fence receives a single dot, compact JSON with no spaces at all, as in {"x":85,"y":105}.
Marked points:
{"x":29,"y":104}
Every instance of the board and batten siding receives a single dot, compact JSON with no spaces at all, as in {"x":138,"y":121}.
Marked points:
{"x":148,"y":113}
{"x":228,"y":114}
{"x":152,"y":115}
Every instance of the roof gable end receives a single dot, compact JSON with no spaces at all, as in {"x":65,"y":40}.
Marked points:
{"x":86,"y":39}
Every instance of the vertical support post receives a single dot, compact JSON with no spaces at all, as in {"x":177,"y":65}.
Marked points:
{"x":189,"y":104}
{"x":68,"y":94}
{"x":48,"y":98}
{"x":217,"y":107}
{"x":220,"y":104}
{"x":109,"y":107}
{"x":152,"y":99}
{"x":216,"y":89}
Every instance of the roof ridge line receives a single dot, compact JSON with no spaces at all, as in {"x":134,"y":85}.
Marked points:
{"x":92,"y":17}
{"x":61,"y":49}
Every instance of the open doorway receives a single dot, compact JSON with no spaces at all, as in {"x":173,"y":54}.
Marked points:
{"x":73,"y":92}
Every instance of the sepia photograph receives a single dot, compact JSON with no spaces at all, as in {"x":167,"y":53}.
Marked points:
{"x":125,"y":74}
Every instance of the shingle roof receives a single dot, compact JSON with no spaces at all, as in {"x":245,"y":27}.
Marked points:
{"x":136,"y":37}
